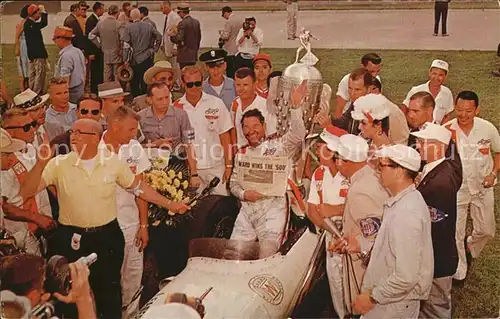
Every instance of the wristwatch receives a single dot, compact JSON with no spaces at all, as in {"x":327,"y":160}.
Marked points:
{"x":194,"y":175}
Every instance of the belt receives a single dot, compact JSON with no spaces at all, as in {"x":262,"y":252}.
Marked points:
{"x":94,"y":229}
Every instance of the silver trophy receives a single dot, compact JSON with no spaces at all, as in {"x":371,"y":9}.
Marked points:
{"x":317,"y":98}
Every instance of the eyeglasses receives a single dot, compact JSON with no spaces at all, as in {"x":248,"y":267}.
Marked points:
{"x":78,"y":132}
{"x":86,"y":111}
{"x":26,"y":127}
{"x":191,"y":84}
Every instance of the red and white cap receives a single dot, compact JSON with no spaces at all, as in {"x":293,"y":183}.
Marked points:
{"x":330,"y":135}
{"x":370,"y":107}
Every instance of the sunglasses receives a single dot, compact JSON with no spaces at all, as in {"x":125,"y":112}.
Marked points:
{"x":190,"y":85}
{"x":26,"y":127}
{"x":86,"y":111}
{"x":78,"y":132}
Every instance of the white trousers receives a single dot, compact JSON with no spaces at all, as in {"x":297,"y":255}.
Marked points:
{"x":481,"y":207}
{"x":406,"y":309}
{"x":132,"y":268}
{"x":439,"y":303}
{"x":207,"y":174}
{"x":334,"y":264}
{"x":264,"y":220}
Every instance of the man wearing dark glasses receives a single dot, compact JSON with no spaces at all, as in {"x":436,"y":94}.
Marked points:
{"x":217,"y":84}
{"x":160,"y":72}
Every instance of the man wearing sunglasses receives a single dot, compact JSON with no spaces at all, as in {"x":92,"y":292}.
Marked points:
{"x":212,"y":123}
{"x":15,"y":167}
{"x":362,"y":213}
{"x":217,"y":84}
{"x":160,"y":72}
{"x":88,"y":107}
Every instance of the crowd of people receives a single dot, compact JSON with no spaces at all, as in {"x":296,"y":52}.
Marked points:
{"x":398,"y":180}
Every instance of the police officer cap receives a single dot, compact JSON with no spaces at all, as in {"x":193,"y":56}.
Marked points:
{"x":213,"y":57}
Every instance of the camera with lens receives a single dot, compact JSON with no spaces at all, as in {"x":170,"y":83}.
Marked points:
{"x":58,"y":274}
{"x":221,"y":43}
{"x":247,"y":26}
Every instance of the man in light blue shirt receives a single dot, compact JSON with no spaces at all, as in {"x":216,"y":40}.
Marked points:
{"x":60,"y":110}
{"x":71,"y":63}
{"x":217,"y":84}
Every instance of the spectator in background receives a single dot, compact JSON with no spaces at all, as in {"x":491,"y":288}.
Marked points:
{"x":231,"y":28}
{"x":160,"y":72}
{"x":94,"y":52}
{"x":249,"y":40}
{"x":145,"y":16}
{"x":187,"y":36}
{"x":106,"y":35}
{"x":71,"y":63}
{"x":172,"y":19}
{"x":440,"y":12}
{"x":37,"y":53}
{"x":292,"y":7}
{"x":262,"y":67}
{"x":60,"y":110}
{"x":124,"y":16}
{"x":79,"y":41}
{"x":371,"y":62}
{"x":82,"y":17}
{"x":22,"y":51}
{"x":144,"y":41}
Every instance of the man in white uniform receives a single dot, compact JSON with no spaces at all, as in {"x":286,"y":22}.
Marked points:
{"x":132,"y":212}
{"x":479,"y":147}
{"x":399,"y":274}
{"x":247,"y":99}
{"x":372,"y":63}
{"x":438,"y":72}
{"x":262,"y":217}
{"x":24,"y":219}
{"x":212,"y":123}
{"x":326,"y":200}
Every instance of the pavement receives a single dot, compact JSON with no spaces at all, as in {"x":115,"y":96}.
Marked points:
{"x":370,"y":29}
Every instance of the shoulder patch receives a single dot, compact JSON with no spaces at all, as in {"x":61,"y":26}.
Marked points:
{"x":234,"y":105}
{"x":370,"y":226}
{"x":436,"y":214}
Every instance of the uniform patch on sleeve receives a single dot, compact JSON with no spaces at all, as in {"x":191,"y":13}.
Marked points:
{"x":436,"y":214}
{"x":370,"y":226}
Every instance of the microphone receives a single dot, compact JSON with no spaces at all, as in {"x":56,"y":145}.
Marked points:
{"x":213,"y":183}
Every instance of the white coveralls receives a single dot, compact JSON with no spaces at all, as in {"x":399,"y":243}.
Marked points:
{"x":331,"y":190}
{"x":9,"y":187}
{"x":476,"y":153}
{"x":266,"y":218}
{"x":128,"y":219}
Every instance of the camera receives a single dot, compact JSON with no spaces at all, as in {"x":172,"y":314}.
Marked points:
{"x":247,"y":26}
{"x":221,"y":43}
{"x":58,"y":274}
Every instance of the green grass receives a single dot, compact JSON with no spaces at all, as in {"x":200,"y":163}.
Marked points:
{"x":480,"y":296}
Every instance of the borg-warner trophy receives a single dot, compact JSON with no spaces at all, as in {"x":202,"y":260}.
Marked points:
{"x":317,"y":98}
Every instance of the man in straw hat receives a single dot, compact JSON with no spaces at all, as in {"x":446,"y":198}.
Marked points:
{"x":24,"y":218}
{"x":112,"y":96}
{"x":160,"y":72}
{"x":37,"y":53}
{"x":187,"y":36}
{"x":71,"y":63}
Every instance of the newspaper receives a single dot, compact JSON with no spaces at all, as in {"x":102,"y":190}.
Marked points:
{"x":266,"y":174}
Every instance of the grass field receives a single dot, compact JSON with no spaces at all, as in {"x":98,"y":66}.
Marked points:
{"x":480,"y":296}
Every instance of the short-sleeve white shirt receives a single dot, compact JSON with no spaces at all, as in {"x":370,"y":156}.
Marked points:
{"x":10,"y":189}
{"x":237,"y":113}
{"x":476,"y":152}
{"x":332,"y":188}
{"x":134,"y":155}
{"x":343,"y":90}
{"x":444,"y":100}
{"x":210,"y":118}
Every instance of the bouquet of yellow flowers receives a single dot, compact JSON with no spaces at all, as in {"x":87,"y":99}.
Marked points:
{"x":171,"y":181}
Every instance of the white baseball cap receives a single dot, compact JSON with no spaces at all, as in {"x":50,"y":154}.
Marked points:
{"x":440,"y":64}
{"x":403,"y":155}
{"x":353,"y":148}
{"x":330,"y":135}
{"x":370,"y":107}
{"x":431,"y":131}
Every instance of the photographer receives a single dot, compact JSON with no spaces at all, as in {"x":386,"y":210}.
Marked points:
{"x":24,"y":275}
{"x":249,"y":40}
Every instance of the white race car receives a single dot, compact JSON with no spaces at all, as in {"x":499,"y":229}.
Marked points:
{"x":245,"y":286}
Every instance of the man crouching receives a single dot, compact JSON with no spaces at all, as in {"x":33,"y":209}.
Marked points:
{"x":264,"y":217}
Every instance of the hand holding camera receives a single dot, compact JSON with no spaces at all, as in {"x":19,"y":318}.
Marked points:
{"x":80,"y":287}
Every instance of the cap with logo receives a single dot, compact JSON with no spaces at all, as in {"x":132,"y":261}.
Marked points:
{"x":440,"y":64}
{"x":431,"y":131}
{"x":158,"y":67}
{"x":370,"y":107}
{"x":352,"y":148}
{"x":403,"y":155}
{"x":331,"y":135}
{"x":213,"y":57}
{"x":110,"y":89}
{"x":29,"y":100}
{"x":9,"y":144}
{"x":262,"y":57}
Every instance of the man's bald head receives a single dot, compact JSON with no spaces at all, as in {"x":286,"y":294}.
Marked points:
{"x":88,"y":125}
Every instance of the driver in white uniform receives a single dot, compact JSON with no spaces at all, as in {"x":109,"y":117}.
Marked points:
{"x":260,"y":217}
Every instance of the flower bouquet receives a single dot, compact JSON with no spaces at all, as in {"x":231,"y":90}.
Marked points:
{"x":171,"y":181}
